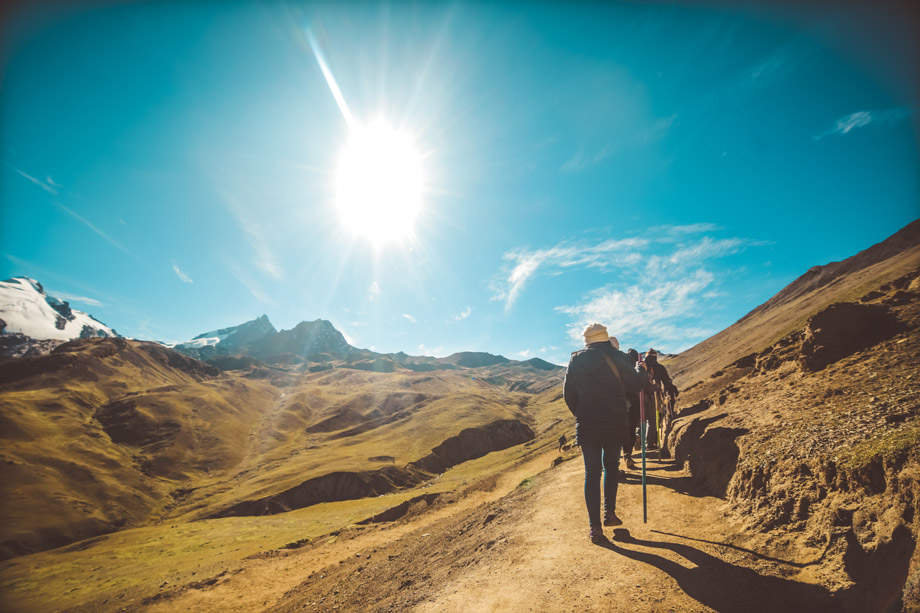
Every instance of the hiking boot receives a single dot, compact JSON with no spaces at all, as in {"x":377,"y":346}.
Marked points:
{"x":596,"y":534}
{"x":611,"y":519}
{"x":630,"y":464}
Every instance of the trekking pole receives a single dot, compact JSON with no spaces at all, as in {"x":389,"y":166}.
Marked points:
{"x":642,"y":432}
{"x":658,"y":422}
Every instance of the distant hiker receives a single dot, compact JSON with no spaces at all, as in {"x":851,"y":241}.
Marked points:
{"x":663,"y":385}
{"x":660,"y":373}
{"x":561,"y":442}
{"x":596,"y":382}
{"x":632,"y":398}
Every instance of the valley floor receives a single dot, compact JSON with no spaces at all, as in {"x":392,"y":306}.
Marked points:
{"x":529,"y":551}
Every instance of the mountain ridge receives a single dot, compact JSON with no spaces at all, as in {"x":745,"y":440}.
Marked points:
{"x":789,"y":308}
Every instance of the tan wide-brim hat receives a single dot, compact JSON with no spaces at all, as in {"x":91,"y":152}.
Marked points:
{"x":595,"y":333}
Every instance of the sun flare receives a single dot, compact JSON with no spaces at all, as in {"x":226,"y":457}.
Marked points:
{"x":378,"y":183}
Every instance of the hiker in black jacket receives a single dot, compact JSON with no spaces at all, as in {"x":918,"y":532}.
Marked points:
{"x":596,"y":382}
{"x":659,"y":375}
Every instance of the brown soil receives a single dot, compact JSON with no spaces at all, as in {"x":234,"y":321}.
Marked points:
{"x":529,"y":551}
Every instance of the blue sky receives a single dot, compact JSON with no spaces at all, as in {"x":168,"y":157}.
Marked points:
{"x":662,"y":169}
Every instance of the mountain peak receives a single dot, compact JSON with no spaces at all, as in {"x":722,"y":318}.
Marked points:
{"x":475,"y":359}
{"x":28,"y":310}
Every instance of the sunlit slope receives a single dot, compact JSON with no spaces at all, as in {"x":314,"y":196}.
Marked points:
{"x":67,"y":474}
{"x":372,"y":431}
{"x":790,"y":308}
{"x":106,"y":434}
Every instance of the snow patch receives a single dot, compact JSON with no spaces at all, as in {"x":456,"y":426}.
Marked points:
{"x":27,"y":310}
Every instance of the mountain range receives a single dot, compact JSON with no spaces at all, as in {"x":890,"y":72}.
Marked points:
{"x":32,"y":323}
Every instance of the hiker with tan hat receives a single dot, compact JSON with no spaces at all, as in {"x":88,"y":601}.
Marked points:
{"x":596,"y":382}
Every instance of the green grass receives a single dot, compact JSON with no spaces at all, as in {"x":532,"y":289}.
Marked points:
{"x":888,"y":447}
{"x":143,"y":558}
{"x":178,"y":553}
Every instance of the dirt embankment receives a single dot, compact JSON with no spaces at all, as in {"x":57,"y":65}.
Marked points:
{"x":816,"y":441}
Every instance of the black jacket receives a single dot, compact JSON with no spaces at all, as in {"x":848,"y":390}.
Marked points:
{"x":660,"y":373}
{"x":596,"y":397}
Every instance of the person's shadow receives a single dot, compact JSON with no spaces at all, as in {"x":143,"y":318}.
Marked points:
{"x":726,"y":588}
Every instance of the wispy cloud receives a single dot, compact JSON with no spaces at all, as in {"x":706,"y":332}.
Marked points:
{"x":765,"y":71}
{"x":582,"y":161}
{"x":431,"y":351}
{"x":255,"y":235}
{"x":48,"y":185}
{"x":522,"y":264}
{"x":652,"y":308}
{"x":658,"y":130}
{"x":75,"y":298}
{"x":45,"y":274}
{"x":182,"y":274}
{"x":663,"y":281}
{"x":409,"y":318}
{"x":679,"y":231}
{"x":96,"y":230}
{"x":771,"y":67}
{"x":250,"y":284}
{"x":705,"y":249}
{"x":464,"y":314}
{"x":860,"y":119}
{"x":373,"y":292}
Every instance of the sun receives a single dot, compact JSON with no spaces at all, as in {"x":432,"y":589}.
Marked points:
{"x":378,"y":183}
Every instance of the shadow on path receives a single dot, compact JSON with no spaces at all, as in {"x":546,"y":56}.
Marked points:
{"x":748,"y":551}
{"x":684,"y":484}
{"x":727,"y":588}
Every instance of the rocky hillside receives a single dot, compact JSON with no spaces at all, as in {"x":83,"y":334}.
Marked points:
{"x":815,"y":438}
{"x":787,"y":310}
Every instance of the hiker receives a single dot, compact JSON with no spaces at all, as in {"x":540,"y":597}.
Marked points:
{"x":596,"y":381}
{"x":632,"y":398}
{"x":660,"y":373}
{"x":561,"y":442}
{"x":659,"y":376}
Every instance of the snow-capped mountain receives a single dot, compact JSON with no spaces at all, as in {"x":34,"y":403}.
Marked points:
{"x":260,"y":339}
{"x":26,"y":309}
{"x":231,"y":338}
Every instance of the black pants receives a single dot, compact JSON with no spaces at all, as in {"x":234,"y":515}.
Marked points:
{"x":631,"y":434}
{"x":601,"y":457}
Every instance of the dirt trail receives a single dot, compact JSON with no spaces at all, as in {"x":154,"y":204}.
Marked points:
{"x":673,"y":562}
{"x":528,"y":550}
